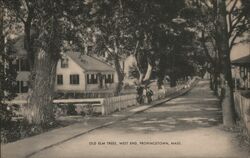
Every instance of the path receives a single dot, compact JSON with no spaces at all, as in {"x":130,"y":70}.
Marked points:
{"x":188,"y":126}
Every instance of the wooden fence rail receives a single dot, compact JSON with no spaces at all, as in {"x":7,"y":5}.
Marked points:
{"x":242,"y":105}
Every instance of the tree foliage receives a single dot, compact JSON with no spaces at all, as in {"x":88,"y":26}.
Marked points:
{"x":7,"y":70}
{"x":222,"y":24}
{"x":120,"y":28}
{"x":203,"y":16}
{"x":44,"y":25}
{"x":147,"y":29}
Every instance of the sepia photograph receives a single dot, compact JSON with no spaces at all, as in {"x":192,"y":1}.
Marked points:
{"x":125,"y":78}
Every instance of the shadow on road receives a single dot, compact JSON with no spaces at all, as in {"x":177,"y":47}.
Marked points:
{"x":197,"y":109}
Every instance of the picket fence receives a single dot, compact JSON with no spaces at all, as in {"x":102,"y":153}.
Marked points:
{"x":109,"y":104}
{"x":118,"y":103}
{"x":242,"y":105}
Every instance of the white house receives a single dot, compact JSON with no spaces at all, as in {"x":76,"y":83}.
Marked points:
{"x":82,"y":73}
{"x":76,"y":73}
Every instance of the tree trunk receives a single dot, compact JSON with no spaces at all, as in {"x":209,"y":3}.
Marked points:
{"x":145,"y":63}
{"x":141,"y":63}
{"x":28,"y":45}
{"x":40,"y":108}
{"x":211,"y":82}
{"x":2,"y":95}
{"x":141,"y":76}
{"x":1,"y":28}
{"x":227,"y":108}
{"x":47,"y":52}
{"x":162,"y":70}
{"x":172,"y":80}
{"x":120,"y":74}
{"x":148,"y":73}
{"x":229,"y":114}
{"x":215,"y":80}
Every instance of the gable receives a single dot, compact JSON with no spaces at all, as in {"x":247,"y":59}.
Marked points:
{"x":89,"y":63}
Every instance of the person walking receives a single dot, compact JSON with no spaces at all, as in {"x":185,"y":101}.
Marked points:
{"x":149,"y":94}
{"x":139,"y":97}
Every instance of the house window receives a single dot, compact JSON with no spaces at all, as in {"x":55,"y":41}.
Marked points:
{"x":64,"y":63}
{"x":74,"y":79}
{"x":59,"y":79}
{"x":242,"y":72}
{"x":92,"y":79}
{"x":21,"y":87}
{"x":109,"y":78}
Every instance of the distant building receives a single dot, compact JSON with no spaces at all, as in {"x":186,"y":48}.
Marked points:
{"x":242,"y":72}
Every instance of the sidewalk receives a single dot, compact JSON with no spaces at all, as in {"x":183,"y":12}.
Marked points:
{"x":29,"y":146}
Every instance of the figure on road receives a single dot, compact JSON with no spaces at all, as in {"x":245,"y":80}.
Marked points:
{"x":139,"y":98}
{"x":149,"y":94}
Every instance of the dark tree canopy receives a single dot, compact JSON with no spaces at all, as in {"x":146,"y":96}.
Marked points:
{"x":168,"y":37}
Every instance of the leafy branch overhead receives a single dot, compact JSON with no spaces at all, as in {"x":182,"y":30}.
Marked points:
{"x":174,"y":38}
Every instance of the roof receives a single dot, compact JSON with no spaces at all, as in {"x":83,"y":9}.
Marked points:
{"x":242,"y":61}
{"x":89,"y":63}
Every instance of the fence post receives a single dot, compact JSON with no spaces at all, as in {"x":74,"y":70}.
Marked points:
{"x":103,"y":107}
{"x":119,"y":103}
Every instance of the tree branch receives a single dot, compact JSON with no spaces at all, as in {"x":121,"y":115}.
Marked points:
{"x":203,"y":41}
{"x":233,"y":6}
{"x":235,"y":22}
{"x":120,"y":3}
{"x":111,"y":51}
{"x":206,"y":4}
{"x":229,"y":23}
{"x":233,"y":40}
{"x":137,"y":44}
{"x":214,"y":46}
{"x":229,"y":2}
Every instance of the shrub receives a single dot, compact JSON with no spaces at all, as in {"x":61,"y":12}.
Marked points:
{"x":6,"y":115}
{"x":71,"y":109}
{"x":88,"y":109}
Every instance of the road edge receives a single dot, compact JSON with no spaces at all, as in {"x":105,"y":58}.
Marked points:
{"x":154,"y":104}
